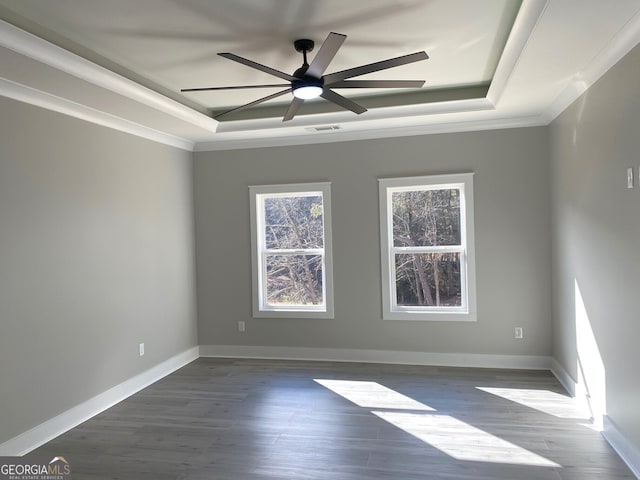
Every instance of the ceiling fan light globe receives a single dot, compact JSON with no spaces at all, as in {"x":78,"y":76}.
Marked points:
{"x":307,"y":92}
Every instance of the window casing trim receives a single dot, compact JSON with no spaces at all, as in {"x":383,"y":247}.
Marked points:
{"x":390,"y":309}
{"x":259,"y":252}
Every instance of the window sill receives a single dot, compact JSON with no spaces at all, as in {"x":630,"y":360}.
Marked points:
{"x":292,"y":314}
{"x":431,"y":316}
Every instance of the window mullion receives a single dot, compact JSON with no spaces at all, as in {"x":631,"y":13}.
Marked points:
{"x":429,"y":249}
{"x":294,"y":251}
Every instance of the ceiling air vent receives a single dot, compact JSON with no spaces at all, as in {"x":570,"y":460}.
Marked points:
{"x":324,"y":128}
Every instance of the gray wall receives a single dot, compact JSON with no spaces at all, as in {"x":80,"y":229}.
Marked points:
{"x":96,"y":255}
{"x":512,"y":241}
{"x":596,"y":224}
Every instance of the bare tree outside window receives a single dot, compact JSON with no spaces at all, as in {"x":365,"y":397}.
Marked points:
{"x":423,"y":219}
{"x":293,"y":232}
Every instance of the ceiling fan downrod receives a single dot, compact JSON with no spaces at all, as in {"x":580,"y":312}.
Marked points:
{"x":305,"y":87}
{"x":304,"y":46}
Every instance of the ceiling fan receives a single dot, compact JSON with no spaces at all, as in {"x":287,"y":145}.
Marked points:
{"x":309,"y":80}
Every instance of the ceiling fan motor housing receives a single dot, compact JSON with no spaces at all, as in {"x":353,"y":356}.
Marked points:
{"x":306,"y":87}
{"x":302,"y":79}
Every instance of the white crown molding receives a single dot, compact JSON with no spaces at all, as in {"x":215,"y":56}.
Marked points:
{"x":619,"y":46}
{"x":34,"y":47}
{"x":629,"y":453}
{"x":32,"y":439}
{"x":452,"y":117}
{"x":531,"y":362}
{"x":305,"y":138}
{"x":528,"y":18}
{"x":48,"y":101}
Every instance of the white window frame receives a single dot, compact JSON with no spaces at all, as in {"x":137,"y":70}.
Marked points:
{"x":259,"y":251}
{"x":390,"y":309}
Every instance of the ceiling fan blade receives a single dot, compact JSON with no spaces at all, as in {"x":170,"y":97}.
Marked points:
{"x":342,"y":101}
{"x":295,"y":104}
{"x":258,"y":66}
{"x":377,"y":84}
{"x":237,"y":87}
{"x":327,"y":51}
{"x":251,"y":104}
{"x":374,"y":67}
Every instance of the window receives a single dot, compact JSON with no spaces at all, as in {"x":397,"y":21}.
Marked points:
{"x":291,"y":251}
{"x":427,"y":248}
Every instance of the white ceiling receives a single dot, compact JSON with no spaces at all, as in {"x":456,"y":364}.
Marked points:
{"x":122,"y":63}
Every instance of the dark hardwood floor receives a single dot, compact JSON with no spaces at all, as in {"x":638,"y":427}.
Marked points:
{"x":220,"y":419}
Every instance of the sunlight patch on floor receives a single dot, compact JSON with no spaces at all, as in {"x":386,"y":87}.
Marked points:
{"x":545,"y":401}
{"x":451,"y":436}
{"x":372,"y":395}
{"x":461,"y":440}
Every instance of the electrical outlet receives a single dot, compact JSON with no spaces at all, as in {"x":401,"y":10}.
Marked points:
{"x":241,"y":326}
{"x":518,"y":332}
{"x":141,"y":349}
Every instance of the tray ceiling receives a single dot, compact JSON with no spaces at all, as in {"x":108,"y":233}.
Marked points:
{"x":490,"y":61}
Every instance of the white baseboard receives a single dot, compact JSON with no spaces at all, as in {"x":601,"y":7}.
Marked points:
{"x":629,"y":453}
{"x":31,"y":439}
{"x":567,"y":381}
{"x":530,"y":362}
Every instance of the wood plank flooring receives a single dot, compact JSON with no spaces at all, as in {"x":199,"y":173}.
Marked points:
{"x":223,"y":419}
